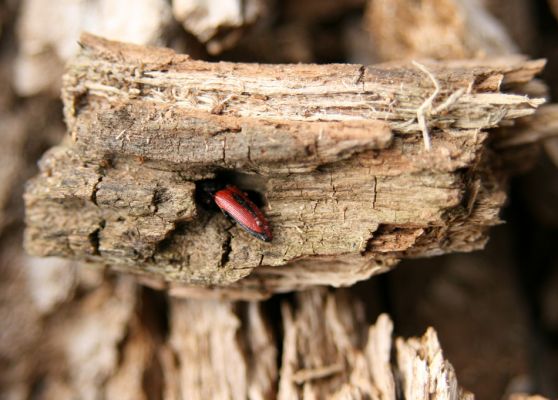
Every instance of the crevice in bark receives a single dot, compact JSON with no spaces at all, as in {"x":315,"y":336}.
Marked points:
{"x":95,"y":190}
{"x":226,"y":251}
{"x":94,"y":238}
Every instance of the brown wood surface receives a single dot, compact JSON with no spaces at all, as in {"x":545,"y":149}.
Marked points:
{"x":73,"y":331}
{"x":337,"y":153}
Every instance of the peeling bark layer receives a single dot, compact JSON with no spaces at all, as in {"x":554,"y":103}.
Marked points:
{"x":335,"y":152}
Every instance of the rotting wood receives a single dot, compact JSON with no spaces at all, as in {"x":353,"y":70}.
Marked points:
{"x":461,"y":28}
{"x":216,"y":24}
{"x":327,"y":342}
{"x":334,"y":150}
{"x":327,"y":351}
{"x":107,"y":340}
{"x":47,"y":35}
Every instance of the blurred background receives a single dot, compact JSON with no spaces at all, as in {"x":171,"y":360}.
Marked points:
{"x":496,"y":310}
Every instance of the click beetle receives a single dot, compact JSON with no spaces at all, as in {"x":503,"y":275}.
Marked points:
{"x":236,"y":204}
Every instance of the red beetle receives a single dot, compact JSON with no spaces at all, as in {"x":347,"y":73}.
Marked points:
{"x":236,"y":204}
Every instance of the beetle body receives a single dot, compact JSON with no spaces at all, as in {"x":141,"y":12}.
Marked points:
{"x":238,"y":206}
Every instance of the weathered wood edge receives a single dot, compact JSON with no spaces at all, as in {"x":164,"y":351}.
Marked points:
{"x":379,"y":196}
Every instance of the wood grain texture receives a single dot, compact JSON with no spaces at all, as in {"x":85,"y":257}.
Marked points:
{"x":105,"y":338}
{"x":335,"y":152}
{"x":441,"y":29}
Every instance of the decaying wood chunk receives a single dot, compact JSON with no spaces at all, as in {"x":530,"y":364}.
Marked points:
{"x":441,"y":29}
{"x":218,"y":24}
{"x":48,"y":32}
{"x":329,"y":352}
{"x":335,"y":151}
{"x":107,"y":340}
{"x":227,"y":344}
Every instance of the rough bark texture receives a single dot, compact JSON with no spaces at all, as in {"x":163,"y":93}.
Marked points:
{"x":106,"y":339}
{"x":329,"y":352}
{"x":441,"y":29}
{"x":70,"y":331}
{"x":335,"y":151}
{"x":219,"y":25}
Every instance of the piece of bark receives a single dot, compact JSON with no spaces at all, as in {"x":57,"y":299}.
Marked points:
{"x":425,"y":372}
{"x":214,"y":349}
{"x":132,"y":358}
{"x":349,"y":182}
{"x":440,"y":29}
{"x":330,"y":353}
{"x":218,"y":24}
{"x":108,"y":340}
{"x":212,"y":342}
{"x":48,"y":32}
